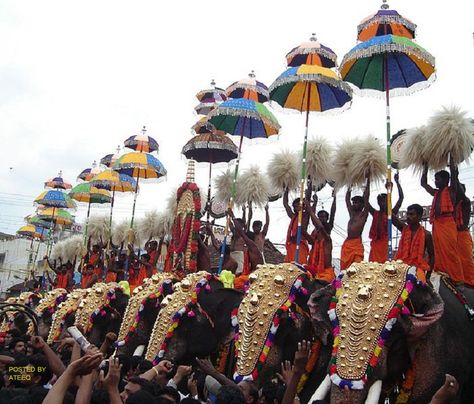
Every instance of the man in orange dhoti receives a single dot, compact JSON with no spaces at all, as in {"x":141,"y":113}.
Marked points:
{"x":445,"y":235}
{"x":320,"y":260}
{"x":416,"y":244}
{"x":463,"y":215}
{"x":292,"y":232}
{"x":379,"y":231}
{"x":352,"y":249}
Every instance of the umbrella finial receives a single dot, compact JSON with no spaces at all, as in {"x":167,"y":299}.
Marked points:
{"x":118,"y":149}
{"x":60,"y":174}
{"x":384,"y":6}
{"x":190,"y":172}
{"x":313,"y":37}
{"x":94,"y":164}
{"x":252,"y":74}
{"x":213,"y":83}
{"x":144,"y":129}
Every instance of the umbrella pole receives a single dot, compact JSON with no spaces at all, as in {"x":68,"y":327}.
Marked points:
{"x":87,"y":221}
{"x":51,"y":232}
{"x":130,"y":234}
{"x":135,"y":200}
{"x":208,"y":207}
{"x":389,"y":160}
{"x":303,"y":180}
{"x":231,"y":202}
{"x":37,"y":250}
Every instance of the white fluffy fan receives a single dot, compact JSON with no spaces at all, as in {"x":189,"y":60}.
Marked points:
{"x":319,"y":161}
{"x":150,"y":226}
{"x":98,"y":228}
{"x":283,"y":171}
{"x":120,"y":232}
{"x":449,"y":131}
{"x":57,"y":252}
{"x":74,"y":248}
{"x":369,"y":158}
{"x":341,"y":160}
{"x":253,"y":187}
{"x":412,"y":152}
{"x":223,"y":186}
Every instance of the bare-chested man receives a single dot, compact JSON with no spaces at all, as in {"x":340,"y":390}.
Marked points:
{"x":352,"y":249}
{"x":321,"y":265}
{"x":258,"y":233}
{"x":291,"y":235}
{"x":379,"y":231}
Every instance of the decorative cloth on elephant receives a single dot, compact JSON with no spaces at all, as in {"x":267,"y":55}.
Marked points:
{"x":368,"y":300}
{"x":290,"y":243}
{"x":272,"y":293}
{"x":411,"y":250}
{"x":352,"y":250}
{"x":183,"y":301}
{"x":155,"y":288}
{"x":465,"y":255}
{"x":227,"y":278}
{"x":379,"y":237}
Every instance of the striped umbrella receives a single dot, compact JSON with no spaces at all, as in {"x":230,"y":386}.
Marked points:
{"x":109,"y":159}
{"x":248,"y":88}
{"x":37,"y":221}
{"x":140,"y":166}
{"x":213,"y":94}
{"x":311,"y":53}
{"x":393,"y":65}
{"x":56,"y":216}
{"x":88,"y":173}
{"x":31,"y":231}
{"x":141,"y":143}
{"x":57,"y":183}
{"x":309,"y":88}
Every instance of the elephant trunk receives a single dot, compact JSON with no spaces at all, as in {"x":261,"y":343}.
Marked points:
{"x":374,"y":393}
{"x":322,"y":391}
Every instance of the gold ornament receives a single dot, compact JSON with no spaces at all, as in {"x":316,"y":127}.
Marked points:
{"x":370,"y":292}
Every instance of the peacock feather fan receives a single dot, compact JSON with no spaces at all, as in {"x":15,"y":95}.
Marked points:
{"x":253,"y":187}
{"x":283,"y":171}
{"x":449,"y":132}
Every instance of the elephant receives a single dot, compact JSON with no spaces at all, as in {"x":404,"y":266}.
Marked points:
{"x":431,"y":337}
{"x":46,"y":309}
{"x":142,"y":310}
{"x":201,"y":308}
{"x":18,"y":319}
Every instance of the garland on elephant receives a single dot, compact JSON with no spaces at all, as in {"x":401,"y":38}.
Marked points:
{"x":297,"y":288}
{"x":395,"y":311}
{"x":187,"y":310}
{"x":181,"y":234}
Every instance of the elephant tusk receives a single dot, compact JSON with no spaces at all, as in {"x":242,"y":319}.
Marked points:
{"x":139,"y":350}
{"x":374,"y":393}
{"x":322,"y":391}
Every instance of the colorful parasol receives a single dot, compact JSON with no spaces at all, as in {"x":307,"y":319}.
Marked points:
{"x":57,"y":199}
{"x":394,"y":65}
{"x":142,"y":143}
{"x":57,"y":183}
{"x":56,"y":216}
{"x":248,"y":88}
{"x":385,"y":22}
{"x":210,"y":148}
{"x":37,"y":221}
{"x":204,"y":126}
{"x":203,"y":108}
{"x":139,"y":165}
{"x":213,"y":94}
{"x":311,"y":53}
{"x":109,"y":159}
{"x":245,"y":118}
{"x":31,"y":231}
{"x":309,"y":88}
{"x":88,"y":173}
{"x":115,"y":182}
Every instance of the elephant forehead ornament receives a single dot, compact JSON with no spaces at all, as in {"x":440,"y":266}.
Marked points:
{"x":369,"y":298}
{"x":173,"y":307}
{"x":99,"y":297}
{"x":67,"y":307}
{"x":9,"y":316}
{"x":50,"y":301}
{"x":272,"y":288}
{"x":152,"y":288}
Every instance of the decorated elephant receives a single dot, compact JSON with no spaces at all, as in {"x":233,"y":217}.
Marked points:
{"x":101,"y":311}
{"x":46,"y":309}
{"x":142,"y":310}
{"x":194,"y":321}
{"x":17,"y":318}
{"x":394,"y":338}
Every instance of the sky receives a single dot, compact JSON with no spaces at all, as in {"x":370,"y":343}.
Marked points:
{"x":78,"y":78}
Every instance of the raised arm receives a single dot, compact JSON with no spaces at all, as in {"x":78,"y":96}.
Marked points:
{"x":317,"y":223}
{"x":430,"y":249}
{"x":214,"y":241}
{"x":424,"y":181}
{"x":397,"y":206}
{"x":288,"y":209}
{"x":249,"y":221}
{"x":332,"y":212}
{"x":348,"y":200}
{"x":366,"y":195}
{"x":454,"y":185}
{"x":267,"y":221}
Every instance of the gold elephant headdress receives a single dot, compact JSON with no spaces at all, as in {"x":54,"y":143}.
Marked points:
{"x":272,"y":292}
{"x":155,"y":287}
{"x":369,"y":298}
{"x":50,"y":301}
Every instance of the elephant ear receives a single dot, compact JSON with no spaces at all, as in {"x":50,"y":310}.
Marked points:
{"x":318,"y":304}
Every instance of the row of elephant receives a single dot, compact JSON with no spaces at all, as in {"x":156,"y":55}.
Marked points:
{"x":379,"y":336}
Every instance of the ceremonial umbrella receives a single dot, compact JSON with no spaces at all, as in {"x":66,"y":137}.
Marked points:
{"x":311,"y":53}
{"x":89,"y":194}
{"x":56,"y":216}
{"x":37,"y":221}
{"x":55,"y":199}
{"x":210,"y":148}
{"x":248,"y":88}
{"x":204,"y":126}
{"x":57,"y":183}
{"x":109,"y":159}
{"x":88,"y":173}
{"x":115,"y":182}
{"x":142,"y":143}
{"x":245,"y":118}
{"x":139,"y":165}
{"x":31,"y":231}
{"x":209,"y":99}
{"x":393,"y":65}
{"x":309,"y":88}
